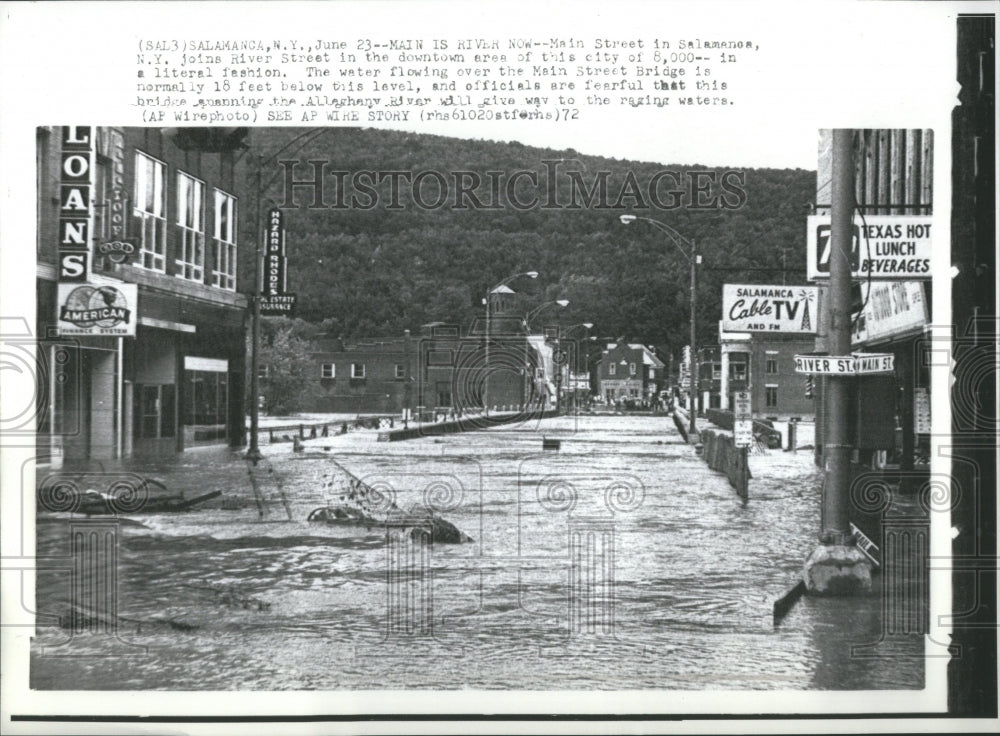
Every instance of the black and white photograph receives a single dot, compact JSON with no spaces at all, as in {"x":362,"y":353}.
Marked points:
{"x":390,"y":366}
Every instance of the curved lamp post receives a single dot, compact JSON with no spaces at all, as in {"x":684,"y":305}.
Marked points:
{"x":693,"y":259}
{"x":566,"y":332}
{"x":486,"y":339}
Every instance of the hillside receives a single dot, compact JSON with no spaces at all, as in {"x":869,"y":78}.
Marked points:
{"x":384,"y":263}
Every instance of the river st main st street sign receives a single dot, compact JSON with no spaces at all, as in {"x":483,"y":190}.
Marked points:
{"x":858,"y":364}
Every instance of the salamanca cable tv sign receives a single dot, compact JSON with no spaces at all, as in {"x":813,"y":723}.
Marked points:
{"x":764,"y":308}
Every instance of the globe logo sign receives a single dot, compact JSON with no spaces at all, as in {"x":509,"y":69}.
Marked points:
{"x":101,"y":306}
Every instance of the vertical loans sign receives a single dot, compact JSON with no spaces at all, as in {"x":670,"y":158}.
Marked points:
{"x":75,"y":211}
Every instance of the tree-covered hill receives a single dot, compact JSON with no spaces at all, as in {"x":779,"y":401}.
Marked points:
{"x":370,"y":261}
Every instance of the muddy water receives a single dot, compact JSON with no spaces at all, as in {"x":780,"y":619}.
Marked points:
{"x":619,"y":561}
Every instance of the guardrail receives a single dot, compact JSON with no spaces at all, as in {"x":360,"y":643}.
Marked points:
{"x":721,"y":454}
{"x":762,"y":428}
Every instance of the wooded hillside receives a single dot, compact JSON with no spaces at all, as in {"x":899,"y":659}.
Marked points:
{"x":384,"y":263}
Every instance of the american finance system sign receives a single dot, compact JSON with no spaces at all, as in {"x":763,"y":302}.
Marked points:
{"x":89,"y":309}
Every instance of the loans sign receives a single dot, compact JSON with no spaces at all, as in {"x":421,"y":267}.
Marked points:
{"x":858,"y":364}
{"x":882,"y":247}
{"x":75,"y":207}
{"x":754,"y":308}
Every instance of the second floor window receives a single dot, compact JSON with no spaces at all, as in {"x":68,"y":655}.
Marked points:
{"x":612,"y":368}
{"x":151,"y":212}
{"x":771,"y":366}
{"x":224,"y":240}
{"x":631,"y":369}
{"x":328,"y":370}
{"x":357,"y":370}
{"x":191,"y":227}
{"x":771,"y":396}
{"x":400,"y":371}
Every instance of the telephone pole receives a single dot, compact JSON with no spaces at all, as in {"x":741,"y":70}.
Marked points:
{"x":837,"y":566}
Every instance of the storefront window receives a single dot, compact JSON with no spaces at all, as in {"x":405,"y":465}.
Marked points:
{"x":205,"y":407}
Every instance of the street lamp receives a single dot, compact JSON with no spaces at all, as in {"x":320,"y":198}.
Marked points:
{"x":693,"y":260}
{"x":567,"y":331}
{"x":486,"y":301}
{"x":557,"y":302}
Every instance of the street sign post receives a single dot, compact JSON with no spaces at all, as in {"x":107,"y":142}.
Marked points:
{"x":743,"y":432}
{"x":858,"y":364}
{"x":741,"y":405}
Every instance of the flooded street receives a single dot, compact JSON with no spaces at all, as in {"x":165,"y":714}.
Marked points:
{"x":618,"y":561}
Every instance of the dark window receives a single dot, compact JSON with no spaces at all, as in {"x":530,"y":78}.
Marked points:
{"x":206,"y":407}
{"x":156,"y":411}
{"x":771,"y":396}
{"x":771,"y":366}
{"x":443,"y":393}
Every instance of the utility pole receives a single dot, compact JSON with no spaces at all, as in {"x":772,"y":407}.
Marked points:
{"x":837,"y":566}
{"x":692,"y":427}
{"x":253,"y":453}
{"x":408,"y":387}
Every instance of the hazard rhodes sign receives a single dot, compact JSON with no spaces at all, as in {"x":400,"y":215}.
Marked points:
{"x":883,"y":247}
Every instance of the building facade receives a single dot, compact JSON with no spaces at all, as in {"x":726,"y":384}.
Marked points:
{"x":890,"y":414}
{"x":140,"y":322}
{"x":629,"y":372}
{"x":365,"y":376}
{"x":764,"y":365}
{"x":443,"y":370}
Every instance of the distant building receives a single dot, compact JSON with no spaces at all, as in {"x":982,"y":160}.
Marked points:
{"x":629,"y":371}
{"x":441,"y":370}
{"x":363,"y":376}
{"x":709,"y":378}
{"x":764,"y":365}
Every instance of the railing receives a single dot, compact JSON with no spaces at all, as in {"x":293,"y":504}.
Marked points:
{"x":763,"y":428}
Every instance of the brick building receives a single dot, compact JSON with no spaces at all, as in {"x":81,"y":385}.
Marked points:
{"x":629,"y":371}
{"x":140,"y":323}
